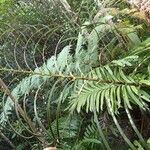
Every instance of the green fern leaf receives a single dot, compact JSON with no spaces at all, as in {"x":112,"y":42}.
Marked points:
{"x":113,"y":86}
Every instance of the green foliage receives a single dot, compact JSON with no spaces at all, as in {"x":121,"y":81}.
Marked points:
{"x":113,"y":86}
{"x":60,"y":81}
{"x":139,"y":146}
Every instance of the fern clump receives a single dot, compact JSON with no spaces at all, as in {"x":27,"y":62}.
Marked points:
{"x":77,"y":83}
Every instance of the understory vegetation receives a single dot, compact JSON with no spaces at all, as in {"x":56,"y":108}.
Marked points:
{"x":74,"y":74}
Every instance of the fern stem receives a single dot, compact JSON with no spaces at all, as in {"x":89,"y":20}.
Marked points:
{"x":72,"y":77}
{"x":119,"y":128}
{"x":60,"y":100}
{"x":39,"y":119}
{"x":134,"y":127}
{"x":7,"y":140}
{"x":49,"y":109}
{"x":20,"y":110}
{"x":11,"y":126}
{"x":100,"y":131}
{"x":57,"y":118}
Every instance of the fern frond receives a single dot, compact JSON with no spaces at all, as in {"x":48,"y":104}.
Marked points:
{"x":142,"y":50}
{"x":91,"y":95}
{"x":36,"y":78}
